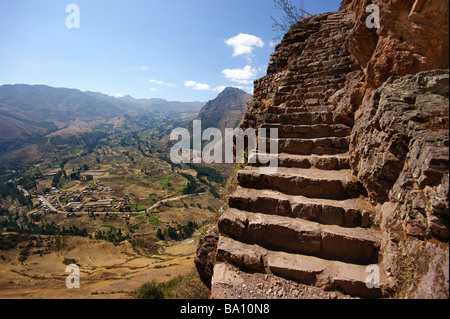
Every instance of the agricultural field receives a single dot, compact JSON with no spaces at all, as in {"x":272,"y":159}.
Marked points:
{"x":113,"y":203}
{"x":34,"y":266}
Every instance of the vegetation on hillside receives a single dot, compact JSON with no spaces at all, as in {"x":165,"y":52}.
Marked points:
{"x":188,"y":286}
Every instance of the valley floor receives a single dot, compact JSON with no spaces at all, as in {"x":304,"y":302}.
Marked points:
{"x":107,"y":271}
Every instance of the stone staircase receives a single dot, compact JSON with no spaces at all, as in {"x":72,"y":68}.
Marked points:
{"x":310,"y":221}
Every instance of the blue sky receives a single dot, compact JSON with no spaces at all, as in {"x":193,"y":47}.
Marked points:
{"x":186,"y":50}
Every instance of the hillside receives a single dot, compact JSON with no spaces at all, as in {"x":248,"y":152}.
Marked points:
{"x":57,"y":105}
{"x":161,"y":105}
{"x":14,"y":131}
{"x":226,"y":110}
{"x":137,"y":216}
{"x":29,"y":112}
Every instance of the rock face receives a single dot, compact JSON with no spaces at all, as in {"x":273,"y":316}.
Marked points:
{"x":400,"y":106}
{"x":407,"y":122}
{"x":363,"y":177}
{"x":206,"y":256}
{"x":413,"y":37}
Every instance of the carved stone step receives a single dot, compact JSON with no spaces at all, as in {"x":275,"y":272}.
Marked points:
{"x":325,"y":162}
{"x":309,"y":131}
{"x":296,"y":106}
{"x":330,"y":275}
{"x":306,"y":118}
{"x":311,"y":182}
{"x":299,"y":236}
{"x":347,"y":213}
{"x":306,"y":146}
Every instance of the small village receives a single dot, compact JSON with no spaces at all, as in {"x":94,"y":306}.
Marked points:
{"x":91,"y":200}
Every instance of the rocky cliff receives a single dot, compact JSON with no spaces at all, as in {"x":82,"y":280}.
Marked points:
{"x":363,"y":117}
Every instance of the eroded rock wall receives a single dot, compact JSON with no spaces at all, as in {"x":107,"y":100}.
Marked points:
{"x":400,"y":144}
{"x":400,"y":149}
{"x":413,"y":37}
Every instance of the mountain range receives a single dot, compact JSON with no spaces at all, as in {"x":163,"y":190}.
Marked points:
{"x":27,"y":111}
{"x":35,"y":111}
{"x":44,"y":103}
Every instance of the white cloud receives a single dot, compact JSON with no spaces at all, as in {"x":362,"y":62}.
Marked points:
{"x":144,"y":68}
{"x":156,"y":81}
{"x":161,"y":83}
{"x":197,"y":86}
{"x":204,"y":87}
{"x":241,"y":76}
{"x":243,"y":44}
{"x":118,"y":95}
{"x":190,"y":83}
{"x":153,"y":89}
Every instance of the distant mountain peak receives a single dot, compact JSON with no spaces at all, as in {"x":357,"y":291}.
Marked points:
{"x":127,"y":98}
{"x":232,"y":89}
{"x":226,"y":110}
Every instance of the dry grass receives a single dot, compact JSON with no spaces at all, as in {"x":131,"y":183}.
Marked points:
{"x":107,"y":270}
